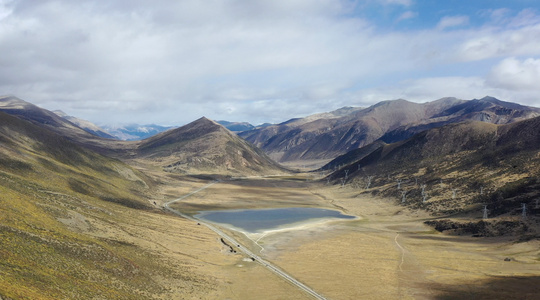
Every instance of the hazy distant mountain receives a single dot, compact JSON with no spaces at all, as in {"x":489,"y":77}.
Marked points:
{"x":326,"y":136}
{"x":207,"y":146}
{"x":135,"y":132}
{"x":86,"y":125}
{"x":236,"y":126}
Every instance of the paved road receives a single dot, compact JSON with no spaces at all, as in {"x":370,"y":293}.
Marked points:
{"x":239,"y":246}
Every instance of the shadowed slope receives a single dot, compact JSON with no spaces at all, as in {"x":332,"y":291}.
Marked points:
{"x":461,"y":165}
{"x":58,"y":201}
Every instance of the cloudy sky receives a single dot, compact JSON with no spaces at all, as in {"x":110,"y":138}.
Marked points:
{"x":172,"y":61}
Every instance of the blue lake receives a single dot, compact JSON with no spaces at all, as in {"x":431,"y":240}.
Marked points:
{"x":257,"y":220}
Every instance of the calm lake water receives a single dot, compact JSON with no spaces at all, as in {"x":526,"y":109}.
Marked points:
{"x":256,"y":220}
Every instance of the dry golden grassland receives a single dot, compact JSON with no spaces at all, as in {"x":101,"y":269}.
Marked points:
{"x":75,"y":233}
{"x":388,"y":254}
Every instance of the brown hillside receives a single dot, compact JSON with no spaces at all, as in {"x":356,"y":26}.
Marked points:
{"x":463,"y":166}
{"x":205,"y":146}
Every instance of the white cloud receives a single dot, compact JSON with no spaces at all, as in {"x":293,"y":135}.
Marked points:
{"x":525,"y":17}
{"x":498,"y":15}
{"x":433,"y":88}
{"x":493,"y":42}
{"x":452,"y":21}
{"x":398,"y":2}
{"x":172,"y":61}
{"x":407,"y":15}
{"x":5,"y":11}
{"x":514,"y":74}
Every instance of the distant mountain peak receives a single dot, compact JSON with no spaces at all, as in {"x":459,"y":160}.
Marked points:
{"x":13,"y":102}
{"x":511,"y":105}
{"x":489,"y":98}
{"x":392,"y":103}
{"x":205,"y":120}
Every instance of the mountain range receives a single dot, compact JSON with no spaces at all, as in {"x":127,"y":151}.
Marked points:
{"x":325,"y":136}
{"x":201,"y":146}
{"x":207,"y":145}
{"x":136,"y":132}
{"x":78,"y":211}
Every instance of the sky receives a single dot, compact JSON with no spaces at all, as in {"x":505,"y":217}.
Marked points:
{"x":170,"y":62}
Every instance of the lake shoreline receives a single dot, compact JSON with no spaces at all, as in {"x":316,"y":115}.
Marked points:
{"x":259,"y":219}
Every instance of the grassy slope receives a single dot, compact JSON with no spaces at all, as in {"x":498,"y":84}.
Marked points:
{"x":482,"y":163}
{"x":54,"y":197}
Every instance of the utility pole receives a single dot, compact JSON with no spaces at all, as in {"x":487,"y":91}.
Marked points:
{"x":369,"y":178}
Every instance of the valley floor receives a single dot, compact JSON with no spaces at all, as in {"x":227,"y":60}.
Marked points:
{"x":388,"y":254}
{"x":101,"y":250}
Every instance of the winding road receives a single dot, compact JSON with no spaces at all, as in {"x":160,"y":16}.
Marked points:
{"x":241,"y":248}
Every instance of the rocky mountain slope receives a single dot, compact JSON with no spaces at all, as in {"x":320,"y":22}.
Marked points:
{"x":325,"y":136}
{"x":204,"y":145}
{"x":456,"y":168}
